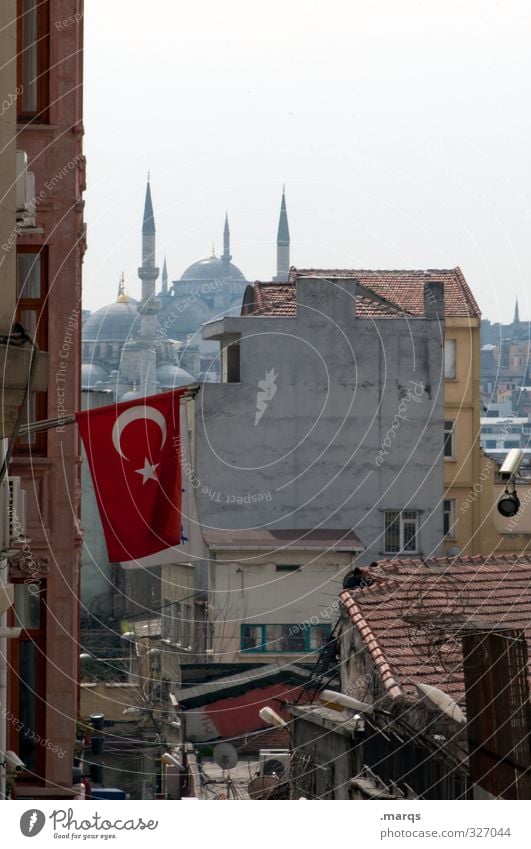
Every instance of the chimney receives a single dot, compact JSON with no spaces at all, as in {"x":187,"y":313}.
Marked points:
{"x":434,"y":300}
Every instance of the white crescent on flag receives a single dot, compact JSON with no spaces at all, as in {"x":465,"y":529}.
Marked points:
{"x":131,"y":415}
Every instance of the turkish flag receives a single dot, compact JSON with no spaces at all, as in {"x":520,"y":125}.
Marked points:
{"x":134,"y":455}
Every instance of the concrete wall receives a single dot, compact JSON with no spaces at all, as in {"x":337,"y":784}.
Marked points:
{"x":324,"y":451}
{"x":247,"y":588}
{"x":326,"y":758}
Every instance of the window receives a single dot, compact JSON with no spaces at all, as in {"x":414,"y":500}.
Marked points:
{"x":233,"y":363}
{"x":490,"y":443}
{"x":230,"y":358}
{"x":33,"y":315}
{"x":251,"y":638}
{"x":511,"y":443}
{"x":449,"y":518}
{"x":286,"y":567}
{"x":450,"y":359}
{"x":449,"y":439}
{"x":28,"y":674}
{"x":284,"y":638}
{"x":401,"y":531}
{"x":33,"y":25}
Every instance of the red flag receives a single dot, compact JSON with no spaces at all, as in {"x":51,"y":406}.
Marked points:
{"x":133,"y":452}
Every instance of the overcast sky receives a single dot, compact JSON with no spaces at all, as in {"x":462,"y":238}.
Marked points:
{"x":402,"y":130}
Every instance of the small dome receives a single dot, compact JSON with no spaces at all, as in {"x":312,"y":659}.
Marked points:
{"x":212,"y":268}
{"x":91,"y":375}
{"x":131,"y":395}
{"x":170,"y":376}
{"x":117,"y":322}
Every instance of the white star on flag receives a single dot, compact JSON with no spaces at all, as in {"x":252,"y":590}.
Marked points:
{"x":148,"y":472}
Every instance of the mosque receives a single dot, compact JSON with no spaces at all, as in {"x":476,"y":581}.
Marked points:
{"x":137,"y":348}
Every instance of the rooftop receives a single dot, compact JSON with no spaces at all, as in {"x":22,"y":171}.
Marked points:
{"x":403,"y":290}
{"x":412,"y":618}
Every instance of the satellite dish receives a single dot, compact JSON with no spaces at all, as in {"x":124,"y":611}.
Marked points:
{"x":225,"y":755}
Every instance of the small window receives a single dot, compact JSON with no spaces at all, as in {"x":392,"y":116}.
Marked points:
{"x":450,"y":359}
{"x":251,"y":638}
{"x":449,"y":518}
{"x":401,"y":531}
{"x":319,"y":637}
{"x":33,"y":28}
{"x":449,"y":439}
{"x":29,"y":275}
{"x":27,"y":606}
{"x":278,"y":638}
{"x":233,"y":362}
{"x":32,"y":313}
{"x":286,"y":567}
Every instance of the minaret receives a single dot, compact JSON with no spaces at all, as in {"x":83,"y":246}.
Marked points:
{"x":516,"y":319}
{"x":164,"y":288}
{"x":226,"y":255}
{"x":282,"y":274}
{"x":149,"y":306}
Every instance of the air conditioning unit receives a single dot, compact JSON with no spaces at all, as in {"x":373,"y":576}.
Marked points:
{"x":25,"y":191}
{"x":17,"y":510}
{"x":274,"y":761}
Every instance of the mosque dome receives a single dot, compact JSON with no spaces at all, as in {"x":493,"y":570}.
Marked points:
{"x":116,"y":322}
{"x":131,"y":395}
{"x":213,"y":268}
{"x":170,"y":376}
{"x":91,"y":374}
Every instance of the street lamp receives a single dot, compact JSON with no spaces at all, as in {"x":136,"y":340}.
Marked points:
{"x":271,"y":717}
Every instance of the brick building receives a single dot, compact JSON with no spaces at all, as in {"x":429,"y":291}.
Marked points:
{"x":43,"y":683}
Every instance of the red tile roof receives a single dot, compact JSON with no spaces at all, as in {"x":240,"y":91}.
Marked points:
{"x":412,"y":618}
{"x":403,"y":289}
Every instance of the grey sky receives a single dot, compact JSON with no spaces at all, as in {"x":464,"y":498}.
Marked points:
{"x":401,"y":129}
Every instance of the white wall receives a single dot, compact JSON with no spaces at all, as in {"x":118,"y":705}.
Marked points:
{"x":246,"y":588}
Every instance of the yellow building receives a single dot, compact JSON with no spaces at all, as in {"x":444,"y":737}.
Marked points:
{"x":462,"y":405}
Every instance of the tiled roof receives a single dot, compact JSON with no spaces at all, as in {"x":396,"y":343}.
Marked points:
{"x":402,"y":288}
{"x":412,"y":619}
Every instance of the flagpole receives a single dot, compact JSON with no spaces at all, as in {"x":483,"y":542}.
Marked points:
{"x":48,"y":424}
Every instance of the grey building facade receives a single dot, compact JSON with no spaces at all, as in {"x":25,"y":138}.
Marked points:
{"x":329,"y":417}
